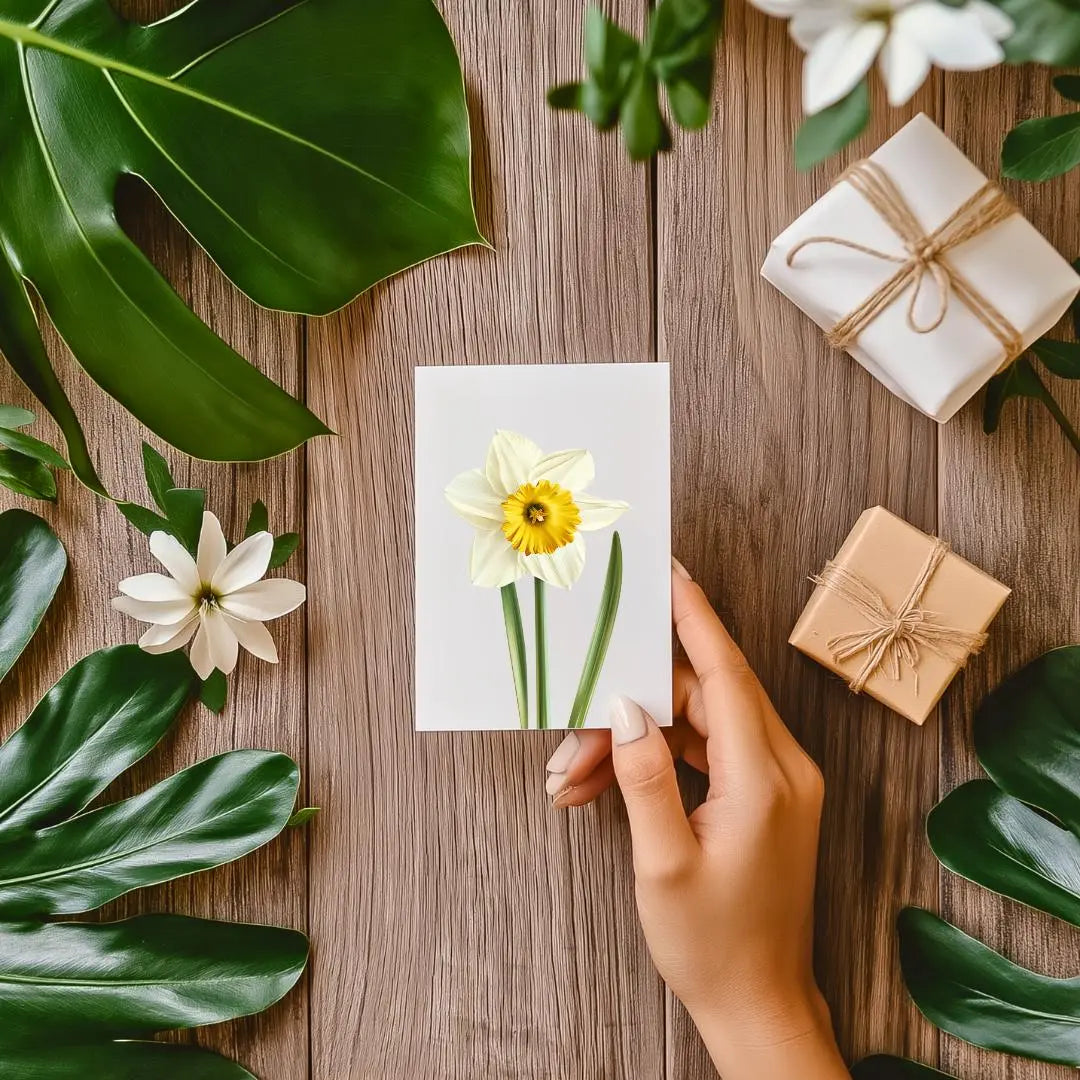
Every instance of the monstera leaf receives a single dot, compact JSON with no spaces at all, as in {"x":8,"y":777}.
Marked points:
{"x":312,"y":147}
{"x":77,"y":999}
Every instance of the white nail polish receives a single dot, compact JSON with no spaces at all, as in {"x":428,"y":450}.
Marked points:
{"x":628,"y":722}
{"x":565,"y":752}
{"x":556,"y":781}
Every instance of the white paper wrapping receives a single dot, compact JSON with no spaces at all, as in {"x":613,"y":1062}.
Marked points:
{"x":1011,"y":264}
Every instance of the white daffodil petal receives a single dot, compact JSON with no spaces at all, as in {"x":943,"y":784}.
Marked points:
{"x":152,"y":587}
{"x":996,"y":23}
{"x":212,"y":547}
{"x":563,"y":567}
{"x":599,"y":513}
{"x":493,"y":563}
{"x":573,"y":470}
{"x":953,"y":38}
{"x":174,"y":557}
{"x":510,"y":461}
{"x":904,"y":67}
{"x":221,"y":642}
{"x":839,"y":59}
{"x":165,"y":612}
{"x":244,"y":565}
{"x":264,"y":600}
{"x":254,"y":637}
{"x":810,"y":24}
{"x":472,"y":497}
{"x":163,"y":639}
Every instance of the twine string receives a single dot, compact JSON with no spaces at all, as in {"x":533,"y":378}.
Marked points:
{"x":894,"y":640}
{"x":925,"y":255}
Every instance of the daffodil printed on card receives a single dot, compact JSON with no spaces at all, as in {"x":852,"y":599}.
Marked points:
{"x":542,"y":517}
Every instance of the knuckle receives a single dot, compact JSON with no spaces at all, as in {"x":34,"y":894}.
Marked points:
{"x":646,"y":777}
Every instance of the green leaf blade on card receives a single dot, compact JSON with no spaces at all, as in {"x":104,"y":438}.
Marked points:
{"x":979,"y":996}
{"x":884,"y":1067}
{"x":69,"y":982}
{"x":829,"y":131}
{"x":104,"y":714}
{"x":1042,"y":148}
{"x":515,"y":640}
{"x":601,"y":637}
{"x":986,"y":836}
{"x":32,"y":564}
{"x":119,"y":1061}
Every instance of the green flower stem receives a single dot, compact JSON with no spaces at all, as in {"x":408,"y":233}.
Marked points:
{"x":515,"y":639}
{"x":540,"y":609}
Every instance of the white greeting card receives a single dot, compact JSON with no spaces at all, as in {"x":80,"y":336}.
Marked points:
{"x":543,"y":554}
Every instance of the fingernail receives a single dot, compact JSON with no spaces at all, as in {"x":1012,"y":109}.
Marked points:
{"x":680,"y":569}
{"x":561,"y":799}
{"x":627,"y":721}
{"x":559,"y":762}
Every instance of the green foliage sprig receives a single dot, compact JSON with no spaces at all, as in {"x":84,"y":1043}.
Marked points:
{"x":25,"y":461}
{"x":624,"y":75}
{"x":1046,"y":146}
{"x":85,"y":999}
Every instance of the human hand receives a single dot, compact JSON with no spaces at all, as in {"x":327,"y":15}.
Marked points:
{"x":725,"y":896}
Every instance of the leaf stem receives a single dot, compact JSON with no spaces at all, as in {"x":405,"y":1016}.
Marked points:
{"x":515,"y":639}
{"x":540,"y":614}
{"x":1063,"y":421}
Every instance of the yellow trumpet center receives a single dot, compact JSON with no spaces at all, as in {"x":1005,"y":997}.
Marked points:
{"x":540,"y":518}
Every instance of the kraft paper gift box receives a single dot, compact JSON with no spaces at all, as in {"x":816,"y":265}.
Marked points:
{"x":896,"y":614}
{"x":998,"y":287}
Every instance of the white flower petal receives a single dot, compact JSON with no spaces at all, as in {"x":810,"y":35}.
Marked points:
{"x":783,"y":9}
{"x":573,"y":470}
{"x":255,"y":638}
{"x":200,"y":653}
{"x":841,"y":57}
{"x":493,"y":562}
{"x":599,"y":513}
{"x":904,"y":66}
{"x":809,"y":24}
{"x":510,"y":460}
{"x":472,"y":497}
{"x":220,"y":640}
{"x":163,"y":639}
{"x":164,"y":612}
{"x":212,"y":547}
{"x":561,"y":568}
{"x":996,"y":23}
{"x":264,"y":600}
{"x":953,"y":38}
{"x":174,"y":557}
{"x":244,"y":565}
{"x":152,"y":587}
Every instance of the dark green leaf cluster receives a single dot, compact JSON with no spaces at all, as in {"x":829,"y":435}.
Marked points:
{"x":85,"y":999}
{"x":25,"y":461}
{"x":624,"y":75}
{"x":1046,"y":146}
{"x":1047,"y":31}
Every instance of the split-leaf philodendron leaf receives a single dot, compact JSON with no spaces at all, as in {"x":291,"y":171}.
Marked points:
{"x":78,"y":999}
{"x":312,"y":147}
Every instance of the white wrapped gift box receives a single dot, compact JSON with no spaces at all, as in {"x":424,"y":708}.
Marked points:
{"x":1010,"y":264}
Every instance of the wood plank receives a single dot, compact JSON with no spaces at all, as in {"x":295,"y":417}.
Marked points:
{"x":464,"y":929}
{"x":780,"y":442}
{"x":1010,"y":504}
{"x":267,"y":705}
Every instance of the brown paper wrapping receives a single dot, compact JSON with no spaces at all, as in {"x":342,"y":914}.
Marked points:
{"x":889,"y":554}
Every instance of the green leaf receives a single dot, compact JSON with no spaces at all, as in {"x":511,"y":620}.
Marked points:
{"x":120,"y":1061}
{"x":146,"y":521}
{"x":1075,"y":308}
{"x":284,"y":547}
{"x":1021,"y":380}
{"x":311,"y":149}
{"x":184,"y":508}
{"x":64,"y":983}
{"x":1027,"y":735}
{"x":566,"y":96}
{"x":303,"y":816}
{"x":643,"y":127}
{"x":515,"y":639}
{"x":103,"y":715}
{"x":13,"y":417}
{"x":258,"y":520}
{"x":30,"y":447}
{"x":158,"y":476}
{"x":974,"y":993}
{"x":611,"y":54}
{"x":206,"y":815}
{"x":1062,"y":358}
{"x":990,"y":838}
{"x":1068,"y":86}
{"x":214,"y":691}
{"x":601,"y":638}
{"x":32,"y":563}
{"x":829,"y":131}
{"x":1047,"y":31}
{"x":25,"y":476}
{"x":1042,"y":148}
{"x":883,"y":1067}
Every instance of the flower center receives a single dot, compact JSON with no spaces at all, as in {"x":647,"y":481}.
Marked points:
{"x":540,"y":518}
{"x":206,"y":597}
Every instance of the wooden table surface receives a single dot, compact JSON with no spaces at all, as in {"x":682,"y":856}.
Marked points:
{"x":462,"y":929}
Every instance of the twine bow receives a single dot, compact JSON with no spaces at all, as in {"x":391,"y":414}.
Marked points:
{"x":895,"y":638}
{"x":925,"y":255}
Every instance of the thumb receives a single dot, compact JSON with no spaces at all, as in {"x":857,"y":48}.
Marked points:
{"x":662,"y":839}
